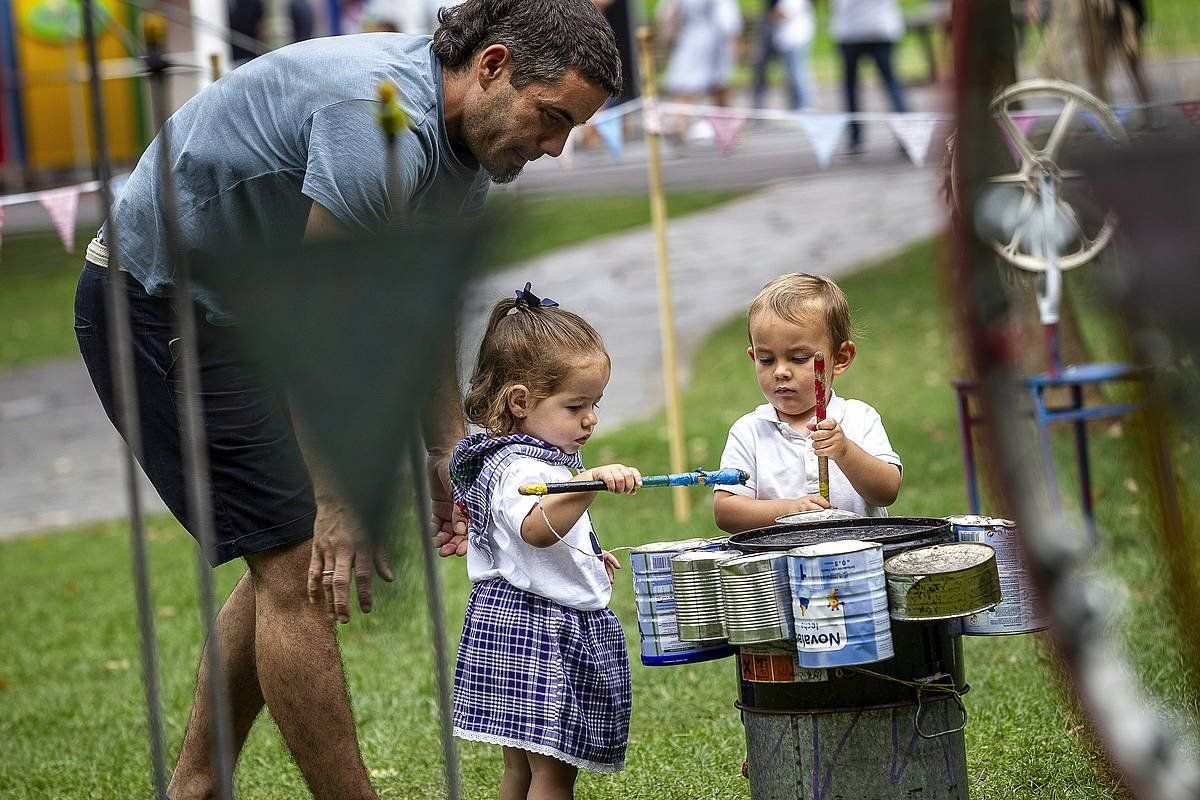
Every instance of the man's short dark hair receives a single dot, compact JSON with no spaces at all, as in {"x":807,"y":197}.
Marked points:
{"x":544,"y":38}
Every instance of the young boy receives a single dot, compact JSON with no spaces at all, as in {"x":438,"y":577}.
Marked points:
{"x":794,"y":317}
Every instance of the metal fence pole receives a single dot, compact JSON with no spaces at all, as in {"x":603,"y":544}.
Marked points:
{"x":128,"y":421}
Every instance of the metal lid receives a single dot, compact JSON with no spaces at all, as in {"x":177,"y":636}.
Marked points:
{"x":978,"y":521}
{"x":698,"y":560}
{"x":894,"y":533}
{"x":751,"y":564}
{"x":816,"y":516}
{"x":668,"y":547}
{"x":839,"y":547}
{"x":940,"y":559}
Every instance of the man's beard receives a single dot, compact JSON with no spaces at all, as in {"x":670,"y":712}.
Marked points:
{"x":508,"y":176}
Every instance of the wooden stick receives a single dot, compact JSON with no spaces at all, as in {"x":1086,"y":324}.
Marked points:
{"x":819,"y":384}
{"x":658,"y":217}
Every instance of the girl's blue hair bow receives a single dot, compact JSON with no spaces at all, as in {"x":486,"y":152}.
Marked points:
{"x":525,"y":297}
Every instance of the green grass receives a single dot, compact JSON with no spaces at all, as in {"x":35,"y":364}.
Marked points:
{"x":71,"y":707}
{"x":37,"y":277}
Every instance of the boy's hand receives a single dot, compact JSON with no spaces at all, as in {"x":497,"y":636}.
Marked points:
{"x":828,"y":439}
{"x":618,"y":478}
{"x":611,"y":565}
{"x":813,"y":502}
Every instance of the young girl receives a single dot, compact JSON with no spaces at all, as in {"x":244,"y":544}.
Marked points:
{"x":542,"y":668}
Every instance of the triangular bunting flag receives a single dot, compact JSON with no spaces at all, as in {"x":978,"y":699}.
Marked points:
{"x":613,"y":136}
{"x":1191,"y":111}
{"x":914,"y":135}
{"x":823,"y":132}
{"x":1024,"y":121}
{"x":726,"y":128}
{"x":62,"y":205}
{"x":1094,"y":122}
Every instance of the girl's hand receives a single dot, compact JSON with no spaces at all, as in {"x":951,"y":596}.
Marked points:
{"x":611,"y":565}
{"x":617,"y":478}
{"x":813,"y":502}
{"x":828,"y":439}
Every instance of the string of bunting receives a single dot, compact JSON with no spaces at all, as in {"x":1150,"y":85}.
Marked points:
{"x":913,"y":130}
{"x":61,"y":205}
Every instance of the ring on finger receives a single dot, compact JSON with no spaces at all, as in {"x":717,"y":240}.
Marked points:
{"x":327,"y":573}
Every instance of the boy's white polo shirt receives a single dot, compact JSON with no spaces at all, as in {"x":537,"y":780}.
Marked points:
{"x":781,"y":462}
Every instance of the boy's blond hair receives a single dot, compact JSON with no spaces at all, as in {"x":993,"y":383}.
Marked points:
{"x":799,"y":298}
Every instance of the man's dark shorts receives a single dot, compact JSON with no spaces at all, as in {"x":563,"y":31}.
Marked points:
{"x":262,"y":496}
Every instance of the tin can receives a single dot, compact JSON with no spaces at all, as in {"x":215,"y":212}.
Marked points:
{"x":1019,"y":609}
{"x":942,"y":581}
{"x":758,"y":602}
{"x":696,"y":577}
{"x":775,"y":662}
{"x":840,"y":604}
{"x":658,"y":623}
{"x":821,"y":515}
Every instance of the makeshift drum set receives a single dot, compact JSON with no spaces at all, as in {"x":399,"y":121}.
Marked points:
{"x":807,"y":607}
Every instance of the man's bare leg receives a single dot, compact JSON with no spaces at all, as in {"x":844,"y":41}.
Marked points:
{"x":300,"y":673}
{"x":195,"y":776}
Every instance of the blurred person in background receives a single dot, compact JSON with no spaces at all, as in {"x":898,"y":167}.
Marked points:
{"x":866,"y":28}
{"x":765,"y":53}
{"x":703,"y":38}
{"x":793,"y":32}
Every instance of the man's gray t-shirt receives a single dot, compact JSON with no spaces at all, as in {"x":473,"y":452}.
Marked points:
{"x":253,"y":151}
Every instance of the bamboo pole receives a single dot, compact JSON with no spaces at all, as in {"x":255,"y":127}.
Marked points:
{"x":658,"y":218}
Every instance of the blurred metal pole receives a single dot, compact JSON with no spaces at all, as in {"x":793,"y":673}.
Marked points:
{"x":128,"y":421}
{"x":437,"y":616}
{"x":658,"y":217}
{"x":195,"y":444}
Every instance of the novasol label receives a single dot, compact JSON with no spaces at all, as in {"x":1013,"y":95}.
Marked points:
{"x":820,"y":623}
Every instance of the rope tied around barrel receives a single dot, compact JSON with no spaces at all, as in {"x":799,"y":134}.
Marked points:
{"x":940,"y":684}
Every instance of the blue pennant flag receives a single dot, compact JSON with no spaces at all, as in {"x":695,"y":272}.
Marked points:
{"x":611,"y":133}
{"x":1122,"y":113}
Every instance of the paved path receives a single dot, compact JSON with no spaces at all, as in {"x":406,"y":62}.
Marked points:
{"x":59,"y":463}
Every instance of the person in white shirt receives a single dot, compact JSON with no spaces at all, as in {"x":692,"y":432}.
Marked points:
{"x":867,"y":28}
{"x":792,"y":319}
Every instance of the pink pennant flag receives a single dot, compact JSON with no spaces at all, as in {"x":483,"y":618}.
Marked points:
{"x":1024,"y":121}
{"x":726,"y":128}
{"x":62,"y":205}
{"x":1191,"y":112}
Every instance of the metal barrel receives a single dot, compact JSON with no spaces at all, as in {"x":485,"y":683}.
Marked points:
{"x":654,"y":594}
{"x":696,"y":577}
{"x":1019,"y":609}
{"x":758,"y":602}
{"x":942,"y":582}
{"x":840,"y":604}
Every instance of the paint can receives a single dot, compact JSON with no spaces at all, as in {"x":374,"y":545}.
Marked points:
{"x":942,"y":581}
{"x":654,"y":595}
{"x":840,"y":604}
{"x":1019,"y":609}
{"x":696,"y":576}
{"x":821,"y":515}
{"x":775,"y":662}
{"x":758,"y":602}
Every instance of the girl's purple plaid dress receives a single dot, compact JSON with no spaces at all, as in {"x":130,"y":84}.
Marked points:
{"x":533,"y":674}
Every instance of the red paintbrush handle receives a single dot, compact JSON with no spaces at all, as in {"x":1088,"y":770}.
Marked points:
{"x":819,"y":383}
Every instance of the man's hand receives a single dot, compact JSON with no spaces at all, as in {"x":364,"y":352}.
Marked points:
{"x":339,"y":548}
{"x":449,"y":527}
